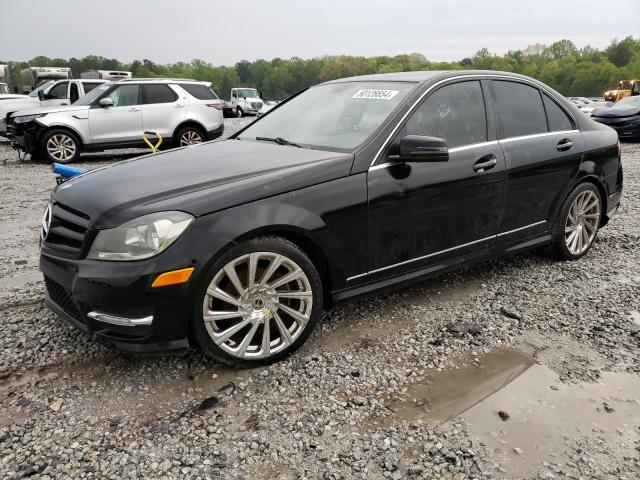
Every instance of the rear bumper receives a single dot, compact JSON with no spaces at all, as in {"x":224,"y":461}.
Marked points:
{"x":215,"y":133}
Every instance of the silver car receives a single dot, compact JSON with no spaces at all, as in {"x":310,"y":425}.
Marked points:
{"x":116,"y":115}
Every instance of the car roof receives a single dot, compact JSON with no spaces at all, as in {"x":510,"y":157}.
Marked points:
{"x":426,"y":76}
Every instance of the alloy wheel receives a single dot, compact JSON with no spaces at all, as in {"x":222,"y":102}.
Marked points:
{"x":257,"y":305}
{"x":61,"y":147}
{"x":582,"y":222}
{"x":190,"y":137}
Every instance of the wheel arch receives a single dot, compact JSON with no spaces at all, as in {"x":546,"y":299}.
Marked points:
{"x":69,"y":129}
{"x":189,"y":123}
{"x":588,"y":178}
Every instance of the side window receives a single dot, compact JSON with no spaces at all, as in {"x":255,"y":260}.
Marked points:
{"x":454,"y":112}
{"x":520,"y":110}
{"x":558,"y":119}
{"x":59,"y":91}
{"x":124,"y":95}
{"x":158,"y":93}
{"x":234,"y":94}
{"x":73,"y":92}
{"x":88,"y":86}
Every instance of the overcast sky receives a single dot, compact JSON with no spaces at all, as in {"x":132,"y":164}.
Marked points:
{"x":225,"y":32}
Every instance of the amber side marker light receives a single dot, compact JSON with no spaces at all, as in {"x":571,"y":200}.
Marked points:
{"x":175,"y":277}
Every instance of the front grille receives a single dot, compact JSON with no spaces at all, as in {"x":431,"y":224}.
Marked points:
{"x":62,"y":298}
{"x":67,"y":229}
{"x":256,"y":105}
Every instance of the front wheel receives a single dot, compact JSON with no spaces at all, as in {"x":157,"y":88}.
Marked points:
{"x":239,"y":112}
{"x":60,"y":146}
{"x":257,"y":303}
{"x":577,"y":224}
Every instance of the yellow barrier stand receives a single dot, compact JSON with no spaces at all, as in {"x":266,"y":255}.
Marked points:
{"x":154,"y":148}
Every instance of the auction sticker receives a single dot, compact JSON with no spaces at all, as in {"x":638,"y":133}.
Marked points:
{"x":376,"y":94}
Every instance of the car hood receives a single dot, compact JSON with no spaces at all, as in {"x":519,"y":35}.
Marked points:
{"x":56,"y":109}
{"x":11,"y":96}
{"x":611,"y":113}
{"x":200,"y":179}
{"x":14,"y":104}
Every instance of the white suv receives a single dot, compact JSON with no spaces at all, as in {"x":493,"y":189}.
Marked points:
{"x":116,"y":115}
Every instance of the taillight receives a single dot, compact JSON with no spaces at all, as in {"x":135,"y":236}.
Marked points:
{"x":217,"y":106}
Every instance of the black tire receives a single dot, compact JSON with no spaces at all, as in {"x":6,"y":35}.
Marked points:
{"x":271,"y":244}
{"x":239,"y":112}
{"x":558,"y":248}
{"x":187,"y":131}
{"x":69,"y":140}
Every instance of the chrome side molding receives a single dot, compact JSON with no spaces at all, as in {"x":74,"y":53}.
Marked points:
{"x":122,"y":321}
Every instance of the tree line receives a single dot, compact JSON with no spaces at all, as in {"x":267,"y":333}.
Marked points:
{"x":572,"y":71}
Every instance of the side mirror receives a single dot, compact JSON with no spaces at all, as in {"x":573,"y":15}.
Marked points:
{"x":105,"y":102}
{"x":41,"y":95}
{"x":419,"y":148}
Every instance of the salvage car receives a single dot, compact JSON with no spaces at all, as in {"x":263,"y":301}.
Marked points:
{"x":588,"y":109}
{"x":624,"y":117}
{"x":349,"y":187}
{"x":116,"y":115}
{"x":48,"y":94}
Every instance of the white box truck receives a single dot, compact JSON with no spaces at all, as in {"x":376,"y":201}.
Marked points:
{"x":32,"y":77}
{"x":113,"y":75}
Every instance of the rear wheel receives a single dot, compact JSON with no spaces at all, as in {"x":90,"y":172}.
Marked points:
{"x":258,"y":303}
{"x":577,"y":224}
{"x":60,"y":146}
{"x":189,"y":136}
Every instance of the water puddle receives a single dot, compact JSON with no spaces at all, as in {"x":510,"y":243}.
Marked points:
{"x":524,"y":414}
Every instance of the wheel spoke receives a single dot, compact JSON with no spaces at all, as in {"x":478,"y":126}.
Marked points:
{"x":251,"y":271}
{"x":298,"y":316}
{"x":585,"y":239}
{"x":230,"y":270}
{"x":294,"y":294}
{"x":266,"y":338}
{"x":214,"y":316}
{"x":592,"y":228}
{"x":222,"y":337}
{"x":285,"y":334}
{"x":222,"y":295}
{"x":246,"y":341}
{"x":287,"y":278}
{"x":268,"y":273}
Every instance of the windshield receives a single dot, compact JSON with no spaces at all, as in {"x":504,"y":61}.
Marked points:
{"x":90,"y":97}
{"x":4,"y":88}
{"x":336,"y":116}
{"x":627,"y":102}
{"x":624,"y":85}
{"x":42,"y":87}
{"x":247,"y":93}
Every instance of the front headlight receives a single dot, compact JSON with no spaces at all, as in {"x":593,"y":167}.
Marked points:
{"x":141,"y":238}
{"x":27,"y":118}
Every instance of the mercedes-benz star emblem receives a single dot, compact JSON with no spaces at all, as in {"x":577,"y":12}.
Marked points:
{"x":46,"y":223}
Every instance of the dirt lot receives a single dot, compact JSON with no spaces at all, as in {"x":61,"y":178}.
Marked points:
{"x":515,"y":368}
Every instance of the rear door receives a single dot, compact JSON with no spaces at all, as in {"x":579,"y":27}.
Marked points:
{"x":421,"y":213}
{"x":120,"y":123}
{"x":162,"y":109}
{"x":543,"y":151}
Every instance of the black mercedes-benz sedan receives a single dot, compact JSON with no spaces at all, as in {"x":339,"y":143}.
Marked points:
{"x":348,"y":187}
{"x":624,"y":117}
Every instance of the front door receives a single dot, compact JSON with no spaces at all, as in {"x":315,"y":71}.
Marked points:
{"x":120,"y":123}
{"x":57,"y":95}
{"x":422,"y":213}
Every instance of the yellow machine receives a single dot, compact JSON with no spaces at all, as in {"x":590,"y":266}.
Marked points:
{"x":625,"y":89}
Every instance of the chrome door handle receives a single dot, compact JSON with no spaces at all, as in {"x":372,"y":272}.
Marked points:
{"x":564,"y":145}
{"x":179,"y":105}
{"x":485,"y":163}
{"x":134,"y":109}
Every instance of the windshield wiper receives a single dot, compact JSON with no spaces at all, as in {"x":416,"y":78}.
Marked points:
{"x":280,"y":141}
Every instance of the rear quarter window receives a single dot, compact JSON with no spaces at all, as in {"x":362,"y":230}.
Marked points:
{"x":520,"y":109}
{"x":558,"y":119}
{"x":158,"y":93}
{"x":201,"y":92}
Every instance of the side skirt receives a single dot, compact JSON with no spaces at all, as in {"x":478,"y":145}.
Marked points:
{"x":404,"y":279}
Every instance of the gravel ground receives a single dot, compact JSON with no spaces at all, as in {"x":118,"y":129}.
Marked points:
{"x":344,"y":406}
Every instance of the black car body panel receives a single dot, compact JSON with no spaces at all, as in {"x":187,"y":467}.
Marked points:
{"x":626,"y":122}
{"x":367,"y":221}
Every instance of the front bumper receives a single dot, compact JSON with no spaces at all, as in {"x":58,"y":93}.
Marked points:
{"x":114,"y":302}
{"x":623,"y":129}
{"x":24,"y":136}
